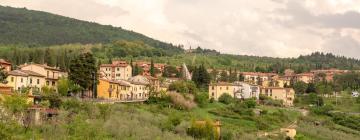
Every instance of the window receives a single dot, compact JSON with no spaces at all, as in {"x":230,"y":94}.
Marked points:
{"x":227,"y":88}
{"x":212,"y":87}
{"x":21,"y":80}
{"x":47,"y":73}
{"x":47,"y":83}
{"x":38,"y":81}
{"x":118,"y":69}
{"x":30,"y":80}
{"x":220,"y":88}
{"x":53,"y":83}
{"x":12,"y":79}
{"x":212,"y":94}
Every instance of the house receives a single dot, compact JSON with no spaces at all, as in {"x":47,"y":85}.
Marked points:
{"x":52,"y":74}
{"x":116,"y":90}
{"x":140,"y":87}
{"x":258,"y":78}
{"x":5,"y":64}
{"x":21,"y":79}
{"x":145,"y":66}
{"x":244,"y":91}
{"x":305,"y":77}
{"x":286,"y":95}
{"x":117,"y":70}
{"x":218,"y":89}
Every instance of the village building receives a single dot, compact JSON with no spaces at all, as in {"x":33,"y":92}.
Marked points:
{"x":145,"y":66}
{"x":108,"y":89}
{"x":117,"y":70}
{"x":5,"y":64}
{"x":305,"y":77}
{"x":258,"y":78}
{"x":21,"y":79}
{"x":52,"y":74}
{"x":286,"y":95}
{"x":239,"y":90}
{"x":245,"y":91}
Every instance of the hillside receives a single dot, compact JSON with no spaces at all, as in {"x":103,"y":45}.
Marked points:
{"x":22,"y":26}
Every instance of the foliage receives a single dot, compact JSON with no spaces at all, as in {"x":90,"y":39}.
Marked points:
{"x":49,"y":94}
{"x":182,"y":102}
{"x":63,"y":86}
{"x":300,"y":87}
{"x":15,"y":104}
{"x":3,"y":75}
{"x":22,"y":26}
{"x":201,"y":98}
{"x":347,"y":120}
{"x":322,"y":110}
{"x":183,"y":87}
{"x":170,"y":71}
{"x":199,"y":130}
{"x":226,"y":98}
{"x":201,"y":77}
{"x":83,"y":70}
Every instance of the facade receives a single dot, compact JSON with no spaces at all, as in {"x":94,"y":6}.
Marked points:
{"x":258,"y":78}
{"x":146,"y":67}
{"x":305,"y":77}
{"x":6,"y":65}
{"x":244,"y":91}
{"x":117,"y":90}
{"x":286,"y":95}
{"x":117,"y":70}
{"x":140,"y":87}
{"x":20,"y":79}
{"x":218,"y":89}
{"x":52,"y":74}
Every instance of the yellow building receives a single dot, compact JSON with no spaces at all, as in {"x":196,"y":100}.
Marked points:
{"x":117,"y":90}
{"x":286,"y":95}
{"x":218,"y":89}
{"x":52,"y":74}
{"x":19,"y":79}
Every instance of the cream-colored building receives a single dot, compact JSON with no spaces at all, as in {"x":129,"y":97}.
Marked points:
{"x":286,"y":95}
{"x":305,"y":77}
{"x":118,"y":70}
{"x":52,"y":74}
{"x":218,"y":89}
{"x":5,"y":64}
{"x":258,"y":77}
{"x":19,"y":79}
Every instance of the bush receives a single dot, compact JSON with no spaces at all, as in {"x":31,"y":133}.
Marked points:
{"x":201,"y":98}
{"x":181,"y":102}
{"x":226,"y":98}
{"x":202,"y":131}
{"x":346,"y":120}
{"x":322,"y":110}
{"x":183,"y":87}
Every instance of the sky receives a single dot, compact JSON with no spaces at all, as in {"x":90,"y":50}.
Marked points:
{"x":276,"y":28}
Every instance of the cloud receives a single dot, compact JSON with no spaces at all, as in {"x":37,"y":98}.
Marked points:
{"x":279,"y":28}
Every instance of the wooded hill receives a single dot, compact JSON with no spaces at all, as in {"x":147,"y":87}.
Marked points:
{"x":34,"y":28}
{"x":35,"y":36}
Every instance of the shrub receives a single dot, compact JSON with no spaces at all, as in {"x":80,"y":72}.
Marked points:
{"x":226,"y":98}
{"x":322,"y":110}
{"x":201,"y":131}
{"x":181,"y":102}
{"x":201,"y":98}
{"x":183,"y":87}
{"x":346,"y":120}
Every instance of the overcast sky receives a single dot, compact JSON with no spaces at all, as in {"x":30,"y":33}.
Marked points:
{"x":280,"y":28}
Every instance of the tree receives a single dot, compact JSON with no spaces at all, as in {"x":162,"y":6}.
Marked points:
{"x":152,"y":68}
{"x":83,"y":71}
{"x":300,"y":87}
{"x":3,"y":75}
{"x":137,"y":70}
{"x":241,"y":77}
{"x":63,"y":86}
{"x":15,"y":104}
{"x":224,"y":76}
{"x":226,"y":98}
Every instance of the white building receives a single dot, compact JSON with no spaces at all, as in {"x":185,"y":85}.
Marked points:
{"x":244,"y":91}
{"x":118,"y":70}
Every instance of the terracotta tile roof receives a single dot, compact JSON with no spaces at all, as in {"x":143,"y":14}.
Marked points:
{"x":2,"y":61}
{"x":31,"y":73}
{"x":41,"y":65}
{"x":24,"y":73}
{"x":115,"y":64}
{"x":305,"y":74}
{"x":258,"y":74}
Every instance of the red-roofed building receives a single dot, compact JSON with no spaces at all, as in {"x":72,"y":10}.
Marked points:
{"x":146,"y":67}
{"x":117,"y":70}
{"x":5,"y":64}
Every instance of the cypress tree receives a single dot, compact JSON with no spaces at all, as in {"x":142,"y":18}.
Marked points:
{"x":152,"y":69}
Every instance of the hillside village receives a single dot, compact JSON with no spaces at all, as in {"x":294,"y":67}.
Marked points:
{"x":64,"y":78}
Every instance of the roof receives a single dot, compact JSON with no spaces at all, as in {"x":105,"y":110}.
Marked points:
{"x":24,"y":73}
{"x":258,"y":74}
{"x":222,"y":84}
{"x":31,"y":73}
{"x":115,"y":64}
{"x":2,"y":61}
{"x":139,"y":80}
{"x":40,"y":65}
{"x":305,"y":74}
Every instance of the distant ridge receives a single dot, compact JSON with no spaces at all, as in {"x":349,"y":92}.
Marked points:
{"x":22,"y":26}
